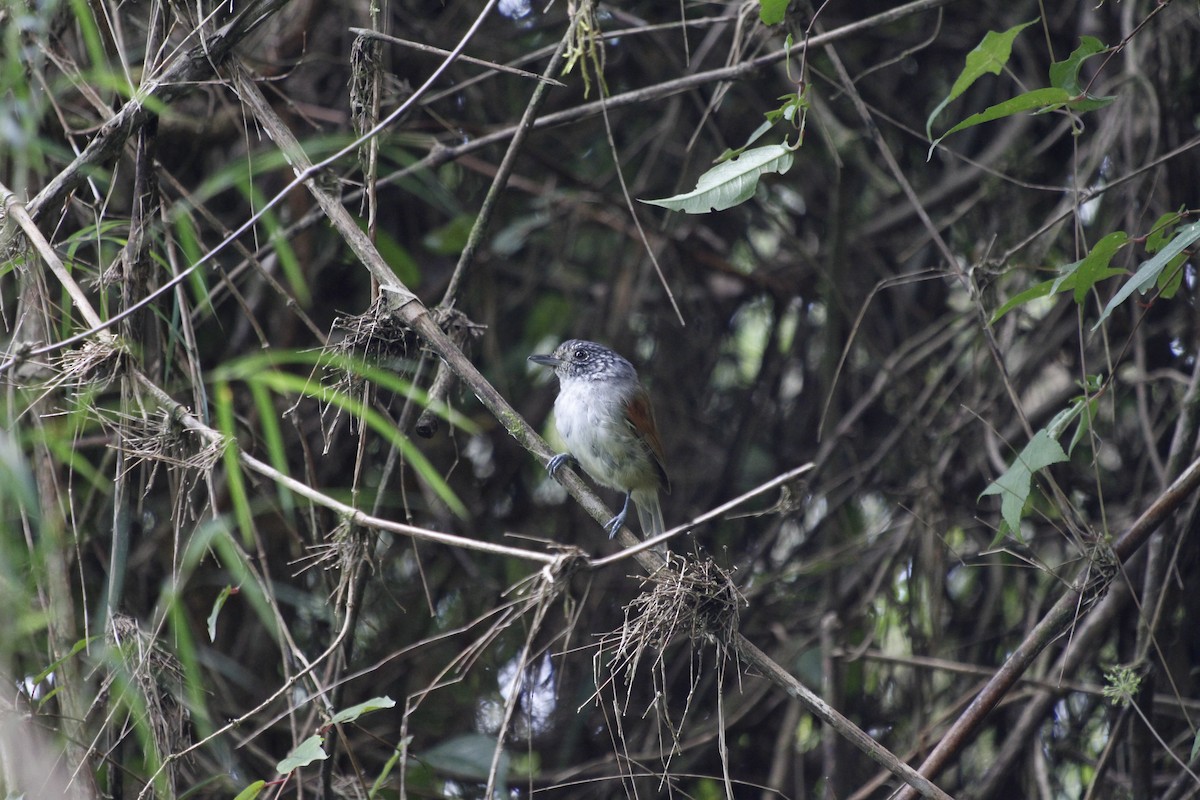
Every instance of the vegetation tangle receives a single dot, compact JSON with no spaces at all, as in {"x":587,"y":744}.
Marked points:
{"x":913,"y":287}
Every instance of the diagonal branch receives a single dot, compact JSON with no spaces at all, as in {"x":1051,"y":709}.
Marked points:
{"x":1056,"y":621}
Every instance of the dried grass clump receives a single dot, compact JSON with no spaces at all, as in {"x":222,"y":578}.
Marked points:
{"x":687,"y":597}
{"x":377,"y":333}
{"x":93,"y":365}
{"x":148,"y":682}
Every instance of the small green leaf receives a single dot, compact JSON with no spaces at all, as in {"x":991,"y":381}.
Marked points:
{"x":1043,"y":289}
{"x":451,"y":238}
{"x":1160,"y":235}
{"x":354,"y":712}
{"x":1087,"y":409}
{"x":1065,"y":74}
{"x":1162,"y":230}
{"x":770,"y":12}
{"x":730,"y":183}
{"x":1078,"y":276}
{"x":1036,"y":100}
{"x":252,"y":791}
{"x":306,"y":752}
{"x":1016,"y":484}
{"x":75,"y":649}
{"x":1095,"y":266}
{"x":989,"y":56}
{"x":216,"y":611}
{"x":1148,"y":273}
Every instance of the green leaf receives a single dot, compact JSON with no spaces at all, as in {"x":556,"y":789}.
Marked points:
{"x":252,"y":791}
{"x":225,"y":594}
{"x":1095,"y":267}
{"x":397,"y":257}
{"x":305,"y":753}
{"x":469,"y":756}
{"x":1148,"y":273}
{"x":354,"y":712}
{"x":75,"y":648}
{"x":1087,"y":407}
{"x":235,"y":481}
{"x":1036,"y":100}
{"x":1043,"y":289}
{"x":1078,"y":276}
{"x":730,"y":183}
{"x":1016,"y":484}
{"x":451,"y":238}
{"x":989,"y":56}
{"x":1162,"y":230}
{"x":770,"y":12}
{"x":1160,"y":235}
{"x":1065,"y":74}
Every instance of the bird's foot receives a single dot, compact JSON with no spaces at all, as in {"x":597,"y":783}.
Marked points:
{"x":616,"y":523}
{"x":558,"y":461}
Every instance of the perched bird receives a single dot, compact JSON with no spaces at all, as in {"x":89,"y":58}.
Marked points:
{"x":604,"y":417}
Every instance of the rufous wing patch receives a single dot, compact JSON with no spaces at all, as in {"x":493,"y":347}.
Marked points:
{"x":641,"y":418}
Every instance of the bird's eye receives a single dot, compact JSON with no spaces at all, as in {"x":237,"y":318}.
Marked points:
{"x":581,"y":355}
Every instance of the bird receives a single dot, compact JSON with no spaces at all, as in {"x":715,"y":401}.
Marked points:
{"x":604,"y":417}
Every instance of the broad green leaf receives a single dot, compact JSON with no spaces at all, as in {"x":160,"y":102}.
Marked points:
{"x":1016,"y":484}
{"x":225,"y":594}
{"x":252,"y":791}
{"x":731,"y":182}
{"x":469,"y":756}
{"x":1078,"y":276}
{"x":306,"y":752}
{"x":1064,"y":91}
{"x":1161,"y":231}
{"x":1160,"y":235}
{"x":770,"y":12}
{"x":1095,"y":266}
{"x":989,"y":56}
{"x":1065,"y":74}
{"x":354,"y":712}
{"x":451,"y":238}
{"x":1043,"y":289}
{"x":1036,"y":100}
{"x":1148,"y":273}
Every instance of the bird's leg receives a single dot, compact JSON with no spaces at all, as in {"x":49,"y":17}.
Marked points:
{"x":559,"y":460}
{"x":614,"y":524}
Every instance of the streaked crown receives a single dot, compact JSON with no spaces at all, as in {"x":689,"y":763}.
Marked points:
{"x":579,"y":359}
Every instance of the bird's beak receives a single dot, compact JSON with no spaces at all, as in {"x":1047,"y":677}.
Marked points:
{"x":546,"y":361}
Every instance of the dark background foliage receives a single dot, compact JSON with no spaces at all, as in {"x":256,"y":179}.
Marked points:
{"x":823,"y":320}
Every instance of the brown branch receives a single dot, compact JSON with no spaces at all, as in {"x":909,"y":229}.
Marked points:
{"x":408,"y":307}
{"x":1056,"y":622}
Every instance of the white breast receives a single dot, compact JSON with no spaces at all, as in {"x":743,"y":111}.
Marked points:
{"x":593,"y":427}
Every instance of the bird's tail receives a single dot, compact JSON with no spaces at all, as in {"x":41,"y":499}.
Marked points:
{"x":649,"y":513}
